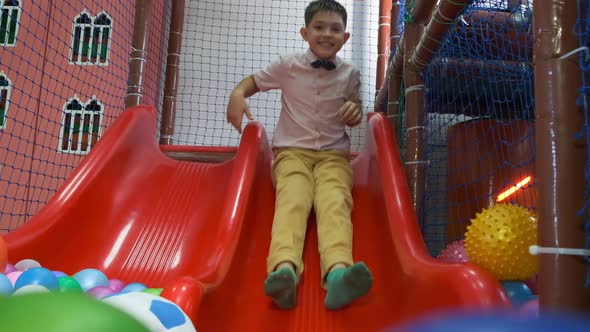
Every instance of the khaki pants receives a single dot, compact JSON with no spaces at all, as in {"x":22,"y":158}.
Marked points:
{"x":304,"y":178}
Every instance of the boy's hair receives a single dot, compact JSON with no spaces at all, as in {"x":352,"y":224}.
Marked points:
{"x":317,"y":6}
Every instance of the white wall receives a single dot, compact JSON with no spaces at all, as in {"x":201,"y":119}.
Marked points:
{"x":226,"y":40}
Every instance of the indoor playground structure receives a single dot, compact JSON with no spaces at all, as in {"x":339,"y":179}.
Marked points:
{"x":128,"y":202}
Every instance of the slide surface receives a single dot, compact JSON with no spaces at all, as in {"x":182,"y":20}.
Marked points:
{"x":202,"y":230}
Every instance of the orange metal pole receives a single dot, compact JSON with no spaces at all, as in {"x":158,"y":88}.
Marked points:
{"x":395,"y":35}
{"x":384,"y":38}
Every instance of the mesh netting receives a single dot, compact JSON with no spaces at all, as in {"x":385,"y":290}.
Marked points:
{"x":63,"y":80}
{"x":64,"y":73}
{"x":479,"y":124}
{"x":225,"y":42}
{"x":583,"y":32}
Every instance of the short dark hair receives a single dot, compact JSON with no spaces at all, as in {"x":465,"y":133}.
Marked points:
{"x":317,"y":6}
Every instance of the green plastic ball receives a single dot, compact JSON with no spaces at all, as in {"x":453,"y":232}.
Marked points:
{"x":63,"y":312}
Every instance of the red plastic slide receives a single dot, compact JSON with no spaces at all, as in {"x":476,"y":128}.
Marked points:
{"x":202,"y":231}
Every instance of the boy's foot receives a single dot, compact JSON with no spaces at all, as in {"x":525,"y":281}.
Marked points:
{"x":347,"y":284}
{"x":281,"y":286}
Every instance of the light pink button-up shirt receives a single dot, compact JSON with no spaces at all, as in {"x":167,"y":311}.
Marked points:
{"x":311,"y":98}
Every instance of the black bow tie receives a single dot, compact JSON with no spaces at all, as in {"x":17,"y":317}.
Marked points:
{"x":326,"y":64}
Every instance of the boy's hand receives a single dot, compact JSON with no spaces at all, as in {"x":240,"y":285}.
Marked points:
{"x":350,"y":113}
{"x":236,"y":108}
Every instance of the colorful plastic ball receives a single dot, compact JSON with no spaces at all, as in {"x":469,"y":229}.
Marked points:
{"x":100,"y":292}
{"x":58,"y":274}
{"x":26,"y":264}
{"x":499,"y":238}
{"x":155,"y":312}
{"x":9,"y":268}
{"x":493,"y":322}
{"x":530,"y":309}
{"x":69,"y":285}
{"x":13,"y":276}
{"x":134,"y":287}
{"x":154,"y":291}
{"x":63,"y":312}
{"x":518,"y":292}
{"x":6,"y":287}
{"x":3,"y":254}
{"x":30,"y":289}
{"x":90,"y":278}
{"x":454,"y":252}
{"x":37,"y":276}
{"x":116,"y":284}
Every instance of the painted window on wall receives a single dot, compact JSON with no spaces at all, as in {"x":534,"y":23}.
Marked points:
{"x":91,"y":39}
{"x":4,"y":99}
{"x":10,"y":11}
{"x":81,"y":125}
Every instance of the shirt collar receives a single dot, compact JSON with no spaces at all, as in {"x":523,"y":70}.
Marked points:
{"x":311,"y":57}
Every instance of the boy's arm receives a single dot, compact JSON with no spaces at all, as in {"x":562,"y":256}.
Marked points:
{"x":351,"y":112}
{"x":237,"y":106}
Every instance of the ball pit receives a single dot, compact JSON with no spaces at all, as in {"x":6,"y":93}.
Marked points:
{"x":29,"y":278}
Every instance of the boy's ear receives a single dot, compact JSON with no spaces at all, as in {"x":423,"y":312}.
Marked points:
{"x":346,"y":36}
{"x":303,"y":32}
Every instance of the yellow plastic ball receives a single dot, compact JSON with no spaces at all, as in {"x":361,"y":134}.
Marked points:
{"x":499,"y":238}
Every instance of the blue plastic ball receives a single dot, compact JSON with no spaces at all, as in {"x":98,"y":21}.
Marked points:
{"x":90,"y":278}
{"x":37,"y":276}
{"x":134,"y":287}
{"x":494,"y":321}
{"x":6,"y":287}
{"x":518,"y":292}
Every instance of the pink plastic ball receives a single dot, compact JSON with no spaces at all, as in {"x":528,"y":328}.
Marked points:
{"x":530,"y":309}
{"x":100,"y":291}
{"x":9,"y":268}
{"x":116,"y":284}
{"x":12,"y":276}
{"x":454,"y":253}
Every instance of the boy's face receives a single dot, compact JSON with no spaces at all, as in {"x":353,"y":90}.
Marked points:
{"x":325,"y":34}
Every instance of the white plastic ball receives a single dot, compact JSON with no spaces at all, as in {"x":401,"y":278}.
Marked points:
{"x":29,"y":289}
{"x":26,"y":264}
{"x":155,"y":312}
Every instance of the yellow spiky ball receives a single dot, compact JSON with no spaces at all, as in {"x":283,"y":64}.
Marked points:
{"x":499,"y":238}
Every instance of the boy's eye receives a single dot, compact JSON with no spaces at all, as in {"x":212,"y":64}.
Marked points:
{"x":321,"y":27}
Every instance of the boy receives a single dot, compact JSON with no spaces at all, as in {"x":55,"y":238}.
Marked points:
{"x":320,"y":96}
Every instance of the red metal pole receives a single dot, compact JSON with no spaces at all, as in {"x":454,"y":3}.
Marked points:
{"x":138,"y":52}
{"x":560,"y":158}
{"x":422,"y":10}
{"x":172,"y":71}
{"x":445,"y":14}
{"x":414,"y":97}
